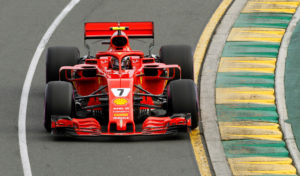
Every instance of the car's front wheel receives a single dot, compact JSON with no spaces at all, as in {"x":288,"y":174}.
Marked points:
{"x":58,"y":101}
{"x":182,"y":98}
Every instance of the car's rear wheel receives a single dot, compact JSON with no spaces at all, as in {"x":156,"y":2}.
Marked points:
{"x":58,"y":57}
{"x":181,"y":55}
{"x":58,"y":101}
{"x":182,"y":98}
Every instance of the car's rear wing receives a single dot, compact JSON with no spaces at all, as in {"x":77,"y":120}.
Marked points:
{"x":104,"y":30}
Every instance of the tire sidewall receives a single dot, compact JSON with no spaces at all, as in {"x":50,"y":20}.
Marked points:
{"x":182,"y":98}
{"x":58,"y":101}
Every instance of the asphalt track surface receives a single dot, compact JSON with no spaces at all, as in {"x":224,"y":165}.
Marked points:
{"x":23,"y":23}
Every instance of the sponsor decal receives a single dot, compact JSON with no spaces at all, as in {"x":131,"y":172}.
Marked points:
{"x":120,"y":101}
{"x":120,"y":118}
{"x":121,"y":114}
{"x":120,"y":109}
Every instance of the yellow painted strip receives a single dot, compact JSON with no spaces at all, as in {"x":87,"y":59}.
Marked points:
{"x":246,"y":90}
{"x":279,"y":32}
{"x":260,"y":70}
{"x":249,"y":123}
{"x":256,"y":34}
{"x":274,"y":10}
{"x":199,"y":54}
{"x":252,"y":65}
{"x":250,"y":130}
{"x":283,"y":3}
{"x":206,"y":36}
{"x":260,"y":39}
{"x":257,"y":127}
{"x":261,"y":166}
{"x":280,"y":172}
{"x":199,"y":152}
{"x":263,"y":92}
{"x":260,"y":160}
{"x":247,"y":64}
{"x":271,"y":6}
{"x":266,"y":162}
{"x":269,"y":62}
{"x":260,"y":137}
{"x":245,"y":95}
{"x":249,"y":59}
{"x":273,"y":162}
{"x":257,"y":101}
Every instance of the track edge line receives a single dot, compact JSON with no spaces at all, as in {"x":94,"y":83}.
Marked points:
{"x":27,"y":84}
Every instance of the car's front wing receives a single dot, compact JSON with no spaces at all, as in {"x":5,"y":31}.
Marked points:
{"x":91,"y":127}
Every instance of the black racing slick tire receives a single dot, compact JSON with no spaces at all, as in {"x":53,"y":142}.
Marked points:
{"x":181,"y":55}
{"x":182,"y":98}
{"x":58,"y":101}
{"x":57,"y":57}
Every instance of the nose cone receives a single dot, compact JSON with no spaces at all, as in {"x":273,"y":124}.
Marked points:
{"x":121,"y":106}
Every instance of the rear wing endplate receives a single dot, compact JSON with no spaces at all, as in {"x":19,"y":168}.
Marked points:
{"x":103,"y":30}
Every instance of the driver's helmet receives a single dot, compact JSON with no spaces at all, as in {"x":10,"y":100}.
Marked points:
{"x":125,"y":64}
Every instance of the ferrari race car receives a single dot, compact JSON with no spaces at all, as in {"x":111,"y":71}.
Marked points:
{"x":120,"y":91}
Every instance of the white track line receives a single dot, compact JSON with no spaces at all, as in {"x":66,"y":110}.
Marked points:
{"x":27,"y":84}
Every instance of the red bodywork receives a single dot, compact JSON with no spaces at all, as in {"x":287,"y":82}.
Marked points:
{"x":118,"y":93}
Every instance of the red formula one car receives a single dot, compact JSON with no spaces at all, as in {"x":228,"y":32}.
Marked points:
{"x":120,"y":91}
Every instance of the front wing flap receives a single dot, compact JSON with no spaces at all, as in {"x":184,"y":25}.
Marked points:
{"x":62,"y":125}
